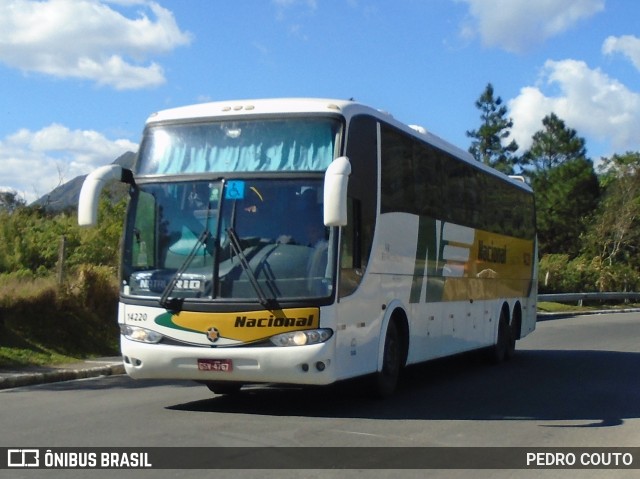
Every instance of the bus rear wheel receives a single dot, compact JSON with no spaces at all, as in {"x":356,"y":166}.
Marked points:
{"x":514,"y":334}
{"x":505,"y":342}
{"x":386,"y":380}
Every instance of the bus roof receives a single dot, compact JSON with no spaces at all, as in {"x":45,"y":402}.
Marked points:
{"x":345,"y":108}
{"x":234,"y":108}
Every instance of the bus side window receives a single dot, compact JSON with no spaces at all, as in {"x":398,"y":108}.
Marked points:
{"x":143,"y":246}
{"x":351,"y":267}
{"x":362,"y":150}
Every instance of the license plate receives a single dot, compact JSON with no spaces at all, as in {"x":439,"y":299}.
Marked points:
{"x":220,"y":365}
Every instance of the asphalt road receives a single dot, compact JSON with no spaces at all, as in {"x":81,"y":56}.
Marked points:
{"x":574,"y":382}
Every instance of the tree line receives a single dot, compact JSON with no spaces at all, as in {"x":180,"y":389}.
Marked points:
{"x":587,"y":218}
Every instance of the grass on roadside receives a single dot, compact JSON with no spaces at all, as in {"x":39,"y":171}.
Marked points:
{"x":11,"y":357}
{"x":42,"y":323}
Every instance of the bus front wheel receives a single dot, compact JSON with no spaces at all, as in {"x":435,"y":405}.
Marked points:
{"x":223,"y":387}
{"x":386,"y":380}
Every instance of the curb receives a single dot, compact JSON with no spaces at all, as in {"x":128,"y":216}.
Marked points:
{"x":19,"y":379}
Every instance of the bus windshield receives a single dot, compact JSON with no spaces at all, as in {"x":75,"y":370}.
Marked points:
{"x":293,"y":144}
{"x":250,"y":240}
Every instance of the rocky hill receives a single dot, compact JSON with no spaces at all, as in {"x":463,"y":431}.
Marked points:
{"x":65,"y":196}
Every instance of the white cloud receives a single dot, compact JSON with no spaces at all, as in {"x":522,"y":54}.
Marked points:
{"x":34,"y":162}
{"x":628,"y":45}
{"x":87,"y":39}
{"x":296,"y":9}
{"x":597,"y":106}
{"x":519,"y":25}
{"x":310,"y":4}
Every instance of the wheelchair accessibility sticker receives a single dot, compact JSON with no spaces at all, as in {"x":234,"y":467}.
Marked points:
{"x":234,"y":190}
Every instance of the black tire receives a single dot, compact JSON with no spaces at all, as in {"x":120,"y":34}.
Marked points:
{"x":223,"y":388}
{"x":500,"y":350}
{"x":513,"y":335}
{"x":386,"y":380}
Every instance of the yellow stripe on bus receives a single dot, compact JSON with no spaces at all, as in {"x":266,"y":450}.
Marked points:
{"x":249,"y":326}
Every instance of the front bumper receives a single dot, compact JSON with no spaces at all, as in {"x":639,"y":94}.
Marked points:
{"x":311,"y":364}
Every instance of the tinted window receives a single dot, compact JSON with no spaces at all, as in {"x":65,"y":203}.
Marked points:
{"x":421,"y":179}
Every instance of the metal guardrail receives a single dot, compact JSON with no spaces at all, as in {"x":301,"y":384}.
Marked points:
{"x":579,"y":297}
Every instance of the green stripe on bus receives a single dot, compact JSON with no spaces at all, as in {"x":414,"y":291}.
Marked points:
{"x":425,"y":227}
{"x":435,"y":263}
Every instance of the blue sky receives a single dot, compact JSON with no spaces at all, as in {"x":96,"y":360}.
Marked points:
{"x":78,"y":78}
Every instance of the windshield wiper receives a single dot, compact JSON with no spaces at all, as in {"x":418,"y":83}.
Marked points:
{"x":234,"y":242}
{"x":175,"y":304}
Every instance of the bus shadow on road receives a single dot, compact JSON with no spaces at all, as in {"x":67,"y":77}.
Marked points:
{"x":598,"y":386}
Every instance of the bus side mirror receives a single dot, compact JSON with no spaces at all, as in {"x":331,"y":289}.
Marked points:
{"x":93,"y":186}
{"x":336,"y":180}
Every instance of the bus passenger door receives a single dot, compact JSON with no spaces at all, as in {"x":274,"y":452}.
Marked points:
{"x":358,"y":309}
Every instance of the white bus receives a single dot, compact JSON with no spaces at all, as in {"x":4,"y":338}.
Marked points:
{"x":308,"y":241}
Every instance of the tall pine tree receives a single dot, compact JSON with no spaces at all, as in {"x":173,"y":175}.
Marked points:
{"x":565,"y":185}
{"x":487,"y":145}
{"x":554,"y":145}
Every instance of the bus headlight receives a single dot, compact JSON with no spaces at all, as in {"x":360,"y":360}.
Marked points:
{"x":143,"y":335}
{"x":302,"y":338}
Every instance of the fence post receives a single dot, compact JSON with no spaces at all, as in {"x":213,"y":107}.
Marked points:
{"x":62,"y":256}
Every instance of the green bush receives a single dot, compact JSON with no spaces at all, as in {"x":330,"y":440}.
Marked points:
{"x":617,"y":277}
{"x":557,"y":273}
{"x":30,"y":239}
